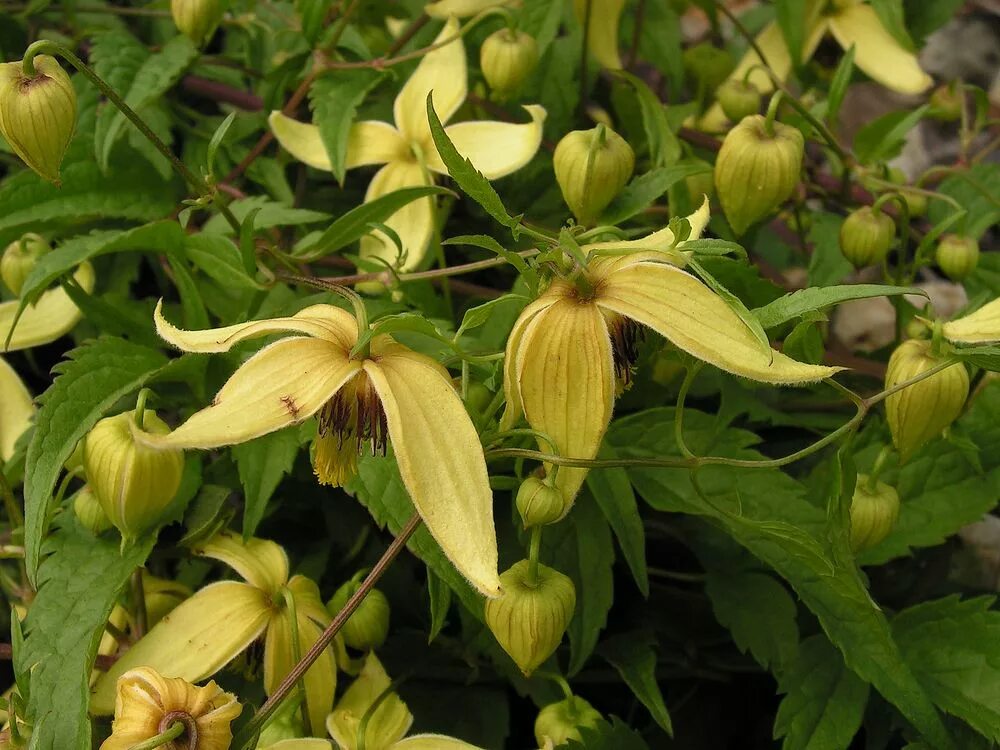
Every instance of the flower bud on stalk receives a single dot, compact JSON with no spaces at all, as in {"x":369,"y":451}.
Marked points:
{"x":539,"y":503}
{"x":162,"y":596}
{"x":592,"y":166}
{"x":507,"y":58}
{"x":874,"y":511}
{"x":531,"y":615}
{"x":916,"y":202}
{"x":757,"y":170}
{"x":89,"y":512}
{"x":866,"y":236}
{"x":920,"y":412}
{"x":37,"y":113}
{"x":368,"y":627}
{"x":19,"y":258}
{"x":197,"y":19}
{"x":738,"y":99}
{"x":946,"y":103}
{"x":957,"y":256}
{"x":561,"y":722}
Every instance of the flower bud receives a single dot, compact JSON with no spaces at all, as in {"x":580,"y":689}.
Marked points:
{"x":866,"y":236}
{"x":957,"y":256}
{"x":507,"y":58}
{"x":561,"y":722}
{"x":708,"y":66}
{"x":757,"y":171}
{"x":197,"y":19}
{"x":916,"y":203}
{"x":592,"y":166}
{"x":946,"y":103}
{"x":531,"y":615}
{"x":37,"y":113}
{"x":162,"y":596}
{"x":738,"y":99}
{"x":19,"y":258}
{"x":874,"y":511}
{"x":539,"y":503}
{"x":919,"y":413}
{"x":133,"y":482}
{"x":89,"y":512}
{"x":368,"y":627}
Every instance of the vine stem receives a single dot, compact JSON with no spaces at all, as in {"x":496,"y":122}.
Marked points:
{"x":176,"y":730}
{"x":247,"y":736}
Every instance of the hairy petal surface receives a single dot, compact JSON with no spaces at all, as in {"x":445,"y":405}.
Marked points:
{"x":511,"y":387}
{"x":980,"y":327}
{"x":442,"y":71}
{"x":261,"y":562}
{"x":52,"y":316}
{"x":369,"y":142}
{"x":414,"y":222}
{"x":495,"y":148}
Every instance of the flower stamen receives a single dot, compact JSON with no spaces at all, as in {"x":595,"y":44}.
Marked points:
{"x":348,"y":424}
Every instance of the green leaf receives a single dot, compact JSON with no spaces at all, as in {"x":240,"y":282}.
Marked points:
{"x":262,"y":464}
{"x":977,"y":190}
{"x":713,"y":248}
{"x":616,"y":735}
{"x":216,"y":141}
{"x":734,"y":302}
{"x":92,"y":379}
{"x":987,"y":356}
{"x":824,"y":701}
{"x":646,"y":188}
{"x":480,"y":314}
{"x":760,"y":614}
{"x":440,"y":601}
{"x":883,"y":138}
{"x":79,"y":582}
{"x":664,"y":148}
{"x":406,"y":321}
{"x":269,"y":214}
{"x":791,"y":16}
{"x":838,"y":86}
{"x":312,"y":14}
{"x":804,"y":301}
{"x":334,"y":100}
{"x":220,"y":259}
{"x":634,"y":656}
{"x":923,"y":17}
{"x":827,"y":265}
{"x":890,"y":13}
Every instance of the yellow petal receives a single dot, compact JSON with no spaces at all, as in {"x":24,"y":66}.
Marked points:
{"x":389,"y":723}
{"x":876,"y":52}
{"x":300,"y":139}
{"x":414,"y":222}
{"x":442,"y":71}
{"x":512,"y":392}
{"x":305,"y":743}
{"x":462,"y":8}
{"x":566,"y":374}
{"x":321,"y":321}
{"x":449,"y":488}
{"x":433,"y":742}
{"x":602,"y":35}
{"x":16,"y":409}
{"x":283,"y":384}
{"x":52,"y":316}
{"x":194,"y":641}
{"x":981,"y":327}
{"x":495,"y":148}
{"x":657,"y":242}
{"x":261,"y":562}
{"x":369,"y":142}
{"x":687,"y":313}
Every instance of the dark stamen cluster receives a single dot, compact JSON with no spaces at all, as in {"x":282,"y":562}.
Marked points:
{"x":625,"y":337}
{"x":355,"y":414}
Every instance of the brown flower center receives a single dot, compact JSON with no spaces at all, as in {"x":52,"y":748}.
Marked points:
{"x":625,"y":337}
{"x":348,"y":424}
{"x":188,"y":740}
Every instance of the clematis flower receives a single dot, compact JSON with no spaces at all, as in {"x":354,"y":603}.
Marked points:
{"x":361,"y":401}
{"x":407,"y":149}
{"x":52,"y":316}
{"x":148,"y":704}
{"x":573,"y":346}
{"x":208,"y":630}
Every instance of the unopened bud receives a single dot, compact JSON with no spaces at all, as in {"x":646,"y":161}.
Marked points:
{"x":874,"y":511}
{"x":708,"y":66}
{"x":37,"y":113}
{"x":539,"y":503}
{"x":957,"y":256}
{"x":916,"y":203}
{"x":162,"y":596}
{"x":738,"y":99}
{"x":507,"y":58}
{"x":946,"y":103}
{"x":19,"y":258}
{"x":197,"y":19}
{"x":561,"y":722}
{"x":866,"y":236}
{"x":531,"y":615}
{"x":89,"y":512}
{"x":592,"y":166}
{"x":368,"y":627}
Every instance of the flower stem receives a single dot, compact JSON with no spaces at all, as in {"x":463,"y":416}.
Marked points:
{"x":176,"y":730}
{"x":534,"y":548}
{"x":141,"y":621}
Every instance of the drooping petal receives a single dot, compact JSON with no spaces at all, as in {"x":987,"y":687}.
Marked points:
{"x":261,"y":562}
{"x":442,"y":71}
{"x":687,"y":313}
{"x":16,"y":409}
{"x":981,"y":327}
{"x":449,"y":488}
{"x":213,"y":627}
{"x":52,"y":316}
{"x":369,"y":142}
{"x":433,"y":742}
{"x":462,"y":8}
{"x":320,"y":321}
{"x":658,"y":242}
{"x":567,"y":380}
{"x":495,"y":148}
{"x":511,"y":388}
{"x":283,"y":384}
{"x":876,"y":52}
{"x":602,"y":29}
{"x":389,"y":723}
{"x":414,"y":222}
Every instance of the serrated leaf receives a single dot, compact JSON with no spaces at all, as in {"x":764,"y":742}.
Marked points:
{"x":269,"y":214}
{"x":406,"y":321}
{"x":883,"y":137}
{"x":613,"y":735}
{"x":92,"y":379}
{"x":219,"y":258}
{"x":804,"y":301}
{"x":634,"y":656}
{"x":714,"y":248}
{"x":262,"y":464}
{"x":646,"y":188}
{"x":334,"y":100}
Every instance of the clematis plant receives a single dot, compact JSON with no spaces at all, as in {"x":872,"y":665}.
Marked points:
{"x":407,"y":150}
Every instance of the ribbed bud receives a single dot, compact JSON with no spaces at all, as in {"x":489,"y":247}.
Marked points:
{"x":133,"y":483}
{"x":957,"y":256}
{"x":530,"y":617}
{"x":592,"y":166}
{"x":873,"y":513}
{"x":708,"y":66}
{"x":561,"y":722}
{"x":757,"y":171}
{"x":919,"y":413}
{"x":539,"y":503}
{"x":866,"y":236}
{"x":738,"y":99}
{"x":368,"y":627}
{"x":19,"y":258}
{"x":507,"y":58}
{"x":37,"y":113}
{"x":89,"y":512}
{"x":916,"y":203}
{"x":197,"y":19}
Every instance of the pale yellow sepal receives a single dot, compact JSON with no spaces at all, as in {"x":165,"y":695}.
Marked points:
{"x":433,"y":742}
{"x":464,"y":8}
{"x":602,"y":36}
{"x":413,"y":223}
{"x":660,"y":241}
{"x":390,"y":722}
{"x":443,"y":71}
{"x":52,"y":316}
{"x":261,"y":562}
{"x":981,"y":327}
{"x":16,"y":409}
{"x":300,"y":743}
{"x":512,"y":393}
{"x":369,"y":142}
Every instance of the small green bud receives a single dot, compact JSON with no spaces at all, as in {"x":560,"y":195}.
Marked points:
{"x":916,"y":203}
{"x":738,"y":99}
{"x":592,"y":166}
{"x":531,"y":615}
{"x":89,"y":512}
{"x":197,"y":19}
{"x":946,"y":103}
{"x":539,"y":503}
{"x":757,"y":171}
{"x":561,"y":722}
{"x":37,"y":113}
{"x":708,"y":66}
{"x":866,"y":236}
{"x":873,"y":513}
{"x":368,"y":627}
{"x":19,"y":258}
{"x":957,"y":256}
{"x":507,"y":58}
{"x":162,"y":596}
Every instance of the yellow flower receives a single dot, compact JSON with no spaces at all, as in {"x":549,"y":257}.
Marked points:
{"x":205,"y":632}
{"x":571,"y":347}
{"x":602,"y":29}
{"x":407,"y":149}
{"x":980,"y":327}
{"x":148,"y":704}
{"x":445,"y":9}
{"x":392,"y":392}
